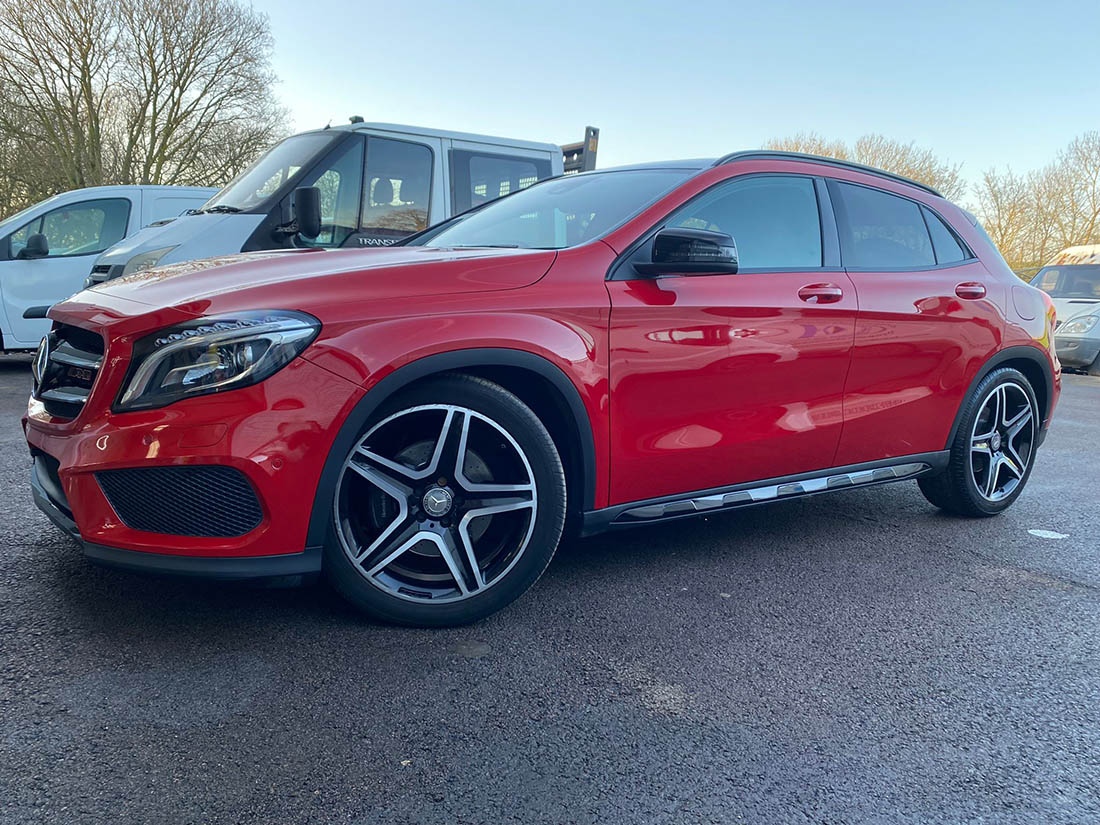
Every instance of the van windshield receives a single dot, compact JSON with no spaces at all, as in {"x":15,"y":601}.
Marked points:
{"x":262,"y":179}
{"x":1079,"y":281}
{"x":558,"y":213}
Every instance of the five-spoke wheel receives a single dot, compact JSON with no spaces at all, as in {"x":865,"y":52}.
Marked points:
{"x":438,"y":508}
{"x":993,"y":450}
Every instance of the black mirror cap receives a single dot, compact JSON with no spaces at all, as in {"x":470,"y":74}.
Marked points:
{"x":37,"y":247}
{"x":679,"y":251}
{"x":307,"y":211}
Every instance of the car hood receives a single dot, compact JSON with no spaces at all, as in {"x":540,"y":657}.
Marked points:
{"x":188,"y":236}
{"x":1068,"y":308}
{"x":310,"y":280}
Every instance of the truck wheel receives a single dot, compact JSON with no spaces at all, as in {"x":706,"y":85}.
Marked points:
{"x":448,"y":508}
{"x":993,"y":451}
{"x":1094,"y":367}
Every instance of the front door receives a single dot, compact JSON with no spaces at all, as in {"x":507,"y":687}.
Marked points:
{"x":75,"y":233}
{"x":717,"y":380}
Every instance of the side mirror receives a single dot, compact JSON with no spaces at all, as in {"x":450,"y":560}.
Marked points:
{"x":37,"y":247}
{"x":690,"y":252}
{"x":307,"y":211}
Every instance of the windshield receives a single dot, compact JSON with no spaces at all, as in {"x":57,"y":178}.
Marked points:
{"x":1069,"y":281}
{"x":264,"y":177}
{"x":558,"y":213}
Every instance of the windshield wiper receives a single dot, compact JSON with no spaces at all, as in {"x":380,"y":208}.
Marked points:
{"x":221,"y":207}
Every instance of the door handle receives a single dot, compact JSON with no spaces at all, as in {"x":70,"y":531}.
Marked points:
{"x":821,"y":293}
{"x":971,"y":290}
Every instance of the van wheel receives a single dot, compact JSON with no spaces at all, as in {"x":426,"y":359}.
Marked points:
{"x":1094,"y":367}
{"x":448,"y":508}
{"x":993,"y":451}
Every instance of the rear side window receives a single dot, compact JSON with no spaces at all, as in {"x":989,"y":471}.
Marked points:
{"x":947,"y":247}
{"x":881,"y":231}
{"x":774,"y":220}
{"x":479,"y":178}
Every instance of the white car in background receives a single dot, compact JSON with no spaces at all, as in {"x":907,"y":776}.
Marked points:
{"x":46,"y":249}
{"x":1072,"y":280}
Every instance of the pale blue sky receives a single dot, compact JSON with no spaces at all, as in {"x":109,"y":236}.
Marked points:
{"x":982,"y":83}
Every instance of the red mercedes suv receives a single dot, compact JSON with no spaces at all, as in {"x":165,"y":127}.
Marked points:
{"x":595,"y":351}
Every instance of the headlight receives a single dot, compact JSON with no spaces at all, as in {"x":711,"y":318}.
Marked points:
{"x":146,"y":260}
{"x":1079,"y":326}
{"x":212,"y":355}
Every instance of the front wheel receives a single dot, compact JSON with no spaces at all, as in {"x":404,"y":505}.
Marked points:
{"x":449,"y":506}
{"x":993,"y":451}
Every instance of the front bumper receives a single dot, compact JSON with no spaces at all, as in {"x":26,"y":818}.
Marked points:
{"x":1078,"y":352}
{"x":277,"y":434}
{"x":254,"y":567}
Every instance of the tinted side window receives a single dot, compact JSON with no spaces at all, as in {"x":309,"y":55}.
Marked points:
{"x":773,"y":219}
{"x":479,"y":178}
{"x":399,"y":182}
{"x":881,"y":231}
{"x":81,"y":228}
{"x":946,"y":245}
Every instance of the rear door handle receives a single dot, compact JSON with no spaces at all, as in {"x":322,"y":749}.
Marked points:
{"x":821,"y":293}
{"x":971,"y":290}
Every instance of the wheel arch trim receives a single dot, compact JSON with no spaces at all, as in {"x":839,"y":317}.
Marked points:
{"x":1023,"y":352}
{"x":438,"y":364}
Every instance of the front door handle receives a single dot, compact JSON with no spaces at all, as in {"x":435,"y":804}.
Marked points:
{"x":971,"y":290}
{"x":821,"y":293}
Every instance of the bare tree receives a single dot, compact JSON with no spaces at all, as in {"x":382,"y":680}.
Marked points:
{"x":132,"y":91}
{"x":906,"y":159}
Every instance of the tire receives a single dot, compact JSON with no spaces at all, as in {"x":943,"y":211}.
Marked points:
{"x":415,"y":487}
{"x":976,"y":483}
{"x":1094,"y":367}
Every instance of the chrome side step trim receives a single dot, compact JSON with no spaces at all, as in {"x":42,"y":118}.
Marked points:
{"x":774,"y":492}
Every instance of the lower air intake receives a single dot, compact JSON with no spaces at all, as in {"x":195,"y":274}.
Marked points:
{"x":197,"y":500}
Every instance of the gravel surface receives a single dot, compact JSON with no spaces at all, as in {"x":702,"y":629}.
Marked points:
{"x":848,"y":658}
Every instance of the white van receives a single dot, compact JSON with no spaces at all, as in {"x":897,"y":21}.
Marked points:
{"x":46,"y":249}
{"x":357,"y":185}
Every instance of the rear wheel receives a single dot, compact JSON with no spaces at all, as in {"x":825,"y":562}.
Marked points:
{"x":993,"y":451}
{"x":449,"y":506}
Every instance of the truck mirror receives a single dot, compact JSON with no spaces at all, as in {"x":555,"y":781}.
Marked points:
{"x":307,"y":211}
{"x":37,"y":247}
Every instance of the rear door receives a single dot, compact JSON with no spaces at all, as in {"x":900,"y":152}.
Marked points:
{"x":722,"y":379}
{"x":928,"y":319}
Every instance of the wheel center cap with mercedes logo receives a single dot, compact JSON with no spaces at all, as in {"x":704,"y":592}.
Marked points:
{"x":438,"y":501}
{"x":996,"y":442}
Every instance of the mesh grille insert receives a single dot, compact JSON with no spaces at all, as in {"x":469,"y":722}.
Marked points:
{"x":196,"y":500}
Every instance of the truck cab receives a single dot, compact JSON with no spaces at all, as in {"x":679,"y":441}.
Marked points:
{"x":358,"y":185}
{"x":46,"y":249}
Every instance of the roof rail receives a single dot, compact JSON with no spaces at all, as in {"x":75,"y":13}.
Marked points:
{"x":751,"y":154}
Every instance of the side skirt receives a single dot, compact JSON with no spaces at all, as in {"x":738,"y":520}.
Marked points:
{"x":760,"y":492}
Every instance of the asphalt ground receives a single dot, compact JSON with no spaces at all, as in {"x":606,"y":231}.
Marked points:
{"x":849,"y":658}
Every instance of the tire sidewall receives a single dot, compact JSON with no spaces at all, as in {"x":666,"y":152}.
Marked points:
{"x":524,"y":426}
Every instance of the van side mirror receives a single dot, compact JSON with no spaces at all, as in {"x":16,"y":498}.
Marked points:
{"x":307,"y":211}
{"x":677,"y":251}
{"x":37,"y":247}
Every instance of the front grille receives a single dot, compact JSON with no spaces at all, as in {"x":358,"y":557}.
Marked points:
{"x":195,"y":500}
{"x":65,"y":369}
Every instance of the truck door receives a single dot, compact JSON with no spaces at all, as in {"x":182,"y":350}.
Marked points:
{"x":75,"y":234}
{"x":401,"y":186}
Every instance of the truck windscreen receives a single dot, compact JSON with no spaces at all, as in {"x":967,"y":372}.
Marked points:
{"x":558,"y":213}
{"x":282,"y":163}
